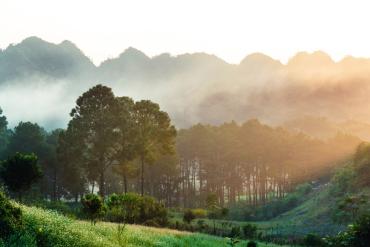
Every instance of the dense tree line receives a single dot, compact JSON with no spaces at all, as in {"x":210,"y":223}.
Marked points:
{"x":252,"y":161}
{"x":116,"y":145}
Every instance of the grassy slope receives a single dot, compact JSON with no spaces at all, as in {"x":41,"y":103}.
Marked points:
{"x":312,"y":216}
{"x":62,"y":231}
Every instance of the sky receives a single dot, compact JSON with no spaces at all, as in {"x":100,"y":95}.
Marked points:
{"x":230,"y":29}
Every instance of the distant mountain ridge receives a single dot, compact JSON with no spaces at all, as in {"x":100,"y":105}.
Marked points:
{"x":193,"y":88}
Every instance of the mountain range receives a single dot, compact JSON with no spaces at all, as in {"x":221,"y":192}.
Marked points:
{"x":39,"y":81}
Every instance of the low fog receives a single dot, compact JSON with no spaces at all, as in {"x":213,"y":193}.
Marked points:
{"x":41,"y":81}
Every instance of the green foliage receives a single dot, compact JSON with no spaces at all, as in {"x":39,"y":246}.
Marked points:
{"x":155,"y":136}
{"x":150,"y":209}
{"x":235,"y":232}
{"x":4,"y":134}
{"x":249,"y":231}
{"x":252,"y":244}
{"x":189,"y":216}
{"x":27,"y":137}
{"x":361,"y":232}
{"x":356,"y":235}
{"x":135,"y":209}
{"x":72,"y":177}
{"x":10,"y":217}
{"x":343,"y":181}
{"x":69,"y":209}
{"x":212,"y":201}
{"x":350,"y":208}
{"x":199,"y":212}
{"x":232,"y":241}
{"x":60,"y":231}
{"x":313,"y":240}
{"x":93,"y":207}
{"x":95,"y":120}
{"x":362,"y":164}
{"x":20,"y":172}
{"x":240,"y":211}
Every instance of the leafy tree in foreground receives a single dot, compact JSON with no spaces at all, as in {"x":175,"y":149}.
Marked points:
{"x":155,"y":135}
{"x":95,"y":120}
{"x":93,"y":207}
{"x":20,"y":172}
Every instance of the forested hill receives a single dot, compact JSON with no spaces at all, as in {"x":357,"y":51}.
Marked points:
{"x":193,"y":88}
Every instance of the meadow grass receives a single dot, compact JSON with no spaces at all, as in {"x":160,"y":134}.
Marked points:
{"x":54,"y":229}
{"x":311,"y":216}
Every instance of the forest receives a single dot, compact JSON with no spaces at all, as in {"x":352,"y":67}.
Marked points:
{"x":115,"y":145}
{"x":121,"y":160}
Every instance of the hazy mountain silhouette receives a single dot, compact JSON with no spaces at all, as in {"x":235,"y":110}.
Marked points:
{"x":35,"y":56}
{"x":193,"y":88}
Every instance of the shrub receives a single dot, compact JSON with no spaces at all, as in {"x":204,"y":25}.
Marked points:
{"x":202,"y":225}
{"x":361,"y":231}
{"x":313,"y":240}
{"x":188,"y":216}
{"x":252,"y":244}
{"x":116,"y":211}
{"x":235,"y":232}
{"x":150,"y":209}
{"x":152,"y":223}
{"x":200,"y":213}
{"x":93,"y":207}
{"x":357,"y":235}
{"x":135,"y":209}
{"x":249,"y":231}
{"x":232,"y":242}
{"x":10,"y":217}
{"x":58,"y":206}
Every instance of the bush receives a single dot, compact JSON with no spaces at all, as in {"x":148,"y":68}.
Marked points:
{"x":150,"y":209}
{"x":58,"y":206}
{"x":188,"y":216}
{"x":135,"y":209}
{"x":235,"y":232}
{"x":313,"y":240}
{"x":361,"y":231}
{"x":199,"y":213}
{"x":10,"y":217}
{"x":249,"y":231}
{"x":152,"y":223}
{"x":201,"y":224}
{"x":239,"y":211}
{"x":93,"y":207}
{"x":357,"y":235}
{"x":252,"y":244}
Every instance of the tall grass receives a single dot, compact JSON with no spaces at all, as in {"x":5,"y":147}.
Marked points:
{"x":47,"y":228}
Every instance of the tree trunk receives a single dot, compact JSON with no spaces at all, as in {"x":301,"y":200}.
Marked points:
{"x":125,"y":183}
{"x":102,"y":184}
{"x":55,"y":185}
{"x":93,"y":187}
{"x":142,"y":176}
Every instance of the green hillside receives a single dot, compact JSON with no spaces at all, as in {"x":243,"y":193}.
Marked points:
{"x":49,"y":228}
